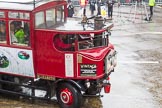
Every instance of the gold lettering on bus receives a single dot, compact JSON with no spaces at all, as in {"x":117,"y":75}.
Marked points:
{"x":45,"y":77}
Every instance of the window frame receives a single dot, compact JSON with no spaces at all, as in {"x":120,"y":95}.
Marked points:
{"x":7,"y":20}
{"x":4,"y":16}
{"x":19,"y":12}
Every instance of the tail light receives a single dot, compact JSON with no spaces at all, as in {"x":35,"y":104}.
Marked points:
{"x":107,"y":87}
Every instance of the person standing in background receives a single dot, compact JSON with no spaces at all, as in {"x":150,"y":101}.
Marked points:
{"x":98,"y":7}
{"x":92,"y":6}
{"x":70,"y":8}
{"x":110,"y":4}
{"x":151,"y":4}
{"x":83,"y":4}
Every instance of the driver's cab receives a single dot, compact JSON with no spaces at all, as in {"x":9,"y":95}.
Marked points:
{"x":80,"y":41}
{"x":64,"y":45}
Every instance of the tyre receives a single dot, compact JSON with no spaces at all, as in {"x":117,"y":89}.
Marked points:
{"x":68,"y":96}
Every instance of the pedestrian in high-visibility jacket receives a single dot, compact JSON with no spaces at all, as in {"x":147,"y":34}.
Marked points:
{"x":83,"y":4}
{"x":151,"y":4}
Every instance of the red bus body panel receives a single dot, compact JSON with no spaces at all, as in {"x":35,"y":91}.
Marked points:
{"x":47,"y":60}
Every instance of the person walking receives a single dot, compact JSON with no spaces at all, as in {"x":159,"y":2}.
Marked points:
{"x":151,"y":4}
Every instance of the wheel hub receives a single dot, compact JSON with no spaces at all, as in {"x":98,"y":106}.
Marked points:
{"x":66,"y":96}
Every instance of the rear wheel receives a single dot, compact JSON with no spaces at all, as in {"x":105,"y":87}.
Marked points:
{"x":68,"y":96}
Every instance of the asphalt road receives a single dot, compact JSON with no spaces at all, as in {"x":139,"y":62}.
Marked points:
{"x":137,"y":81}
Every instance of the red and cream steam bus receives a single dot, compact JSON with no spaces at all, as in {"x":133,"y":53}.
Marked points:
{"x":32,"y":55}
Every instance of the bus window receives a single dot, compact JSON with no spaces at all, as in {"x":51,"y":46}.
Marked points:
{"x":60,"y":14}
{"x":64,"y":42}
{"x":2,"y":15}
{"x":2,"y":31}
{"x":39,"y":20}
{"x":19,"y":33}
{"x":19,"y":15}
{"x":50,"y":18}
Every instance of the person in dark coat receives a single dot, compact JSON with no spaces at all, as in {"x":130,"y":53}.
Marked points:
{"x":70,"y":8}
{"x":92,"y":6}
{"x":110,"y":4}
{"x":99,"y":4}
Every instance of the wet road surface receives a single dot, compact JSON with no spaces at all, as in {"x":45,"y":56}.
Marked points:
{"x":137,"y":80}
{"x":134,"y":82}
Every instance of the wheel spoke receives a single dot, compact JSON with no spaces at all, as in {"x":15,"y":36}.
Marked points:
{"x":66,"y":96}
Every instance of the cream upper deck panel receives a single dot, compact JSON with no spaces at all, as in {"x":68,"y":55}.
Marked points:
{"x":16,"y":6}
{"x":6,"y":4}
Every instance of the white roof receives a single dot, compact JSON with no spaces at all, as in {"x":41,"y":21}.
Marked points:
{"x":22,"y":1}
{"x":21,"y":5}
{"x":16,"y":6}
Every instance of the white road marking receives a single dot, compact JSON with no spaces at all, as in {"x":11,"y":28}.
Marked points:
{"x":140,"y":33}
{"x":139,"y":62}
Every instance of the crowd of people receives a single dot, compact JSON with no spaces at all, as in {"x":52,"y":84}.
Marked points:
{"x":99,"y":3}
{"x":95,"y":5}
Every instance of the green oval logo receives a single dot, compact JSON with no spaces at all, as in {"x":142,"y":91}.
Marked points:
{"x":4,"y":62}
{"x":23,"y":55}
